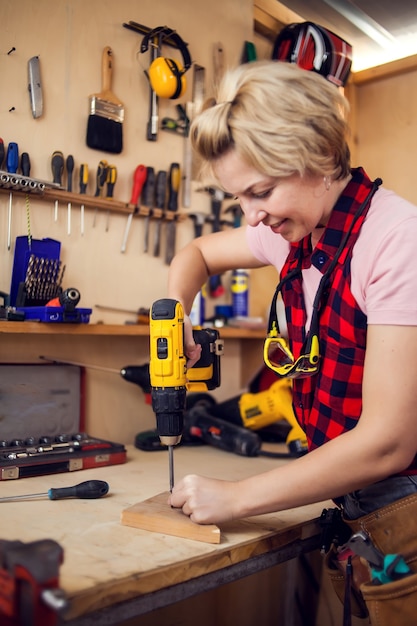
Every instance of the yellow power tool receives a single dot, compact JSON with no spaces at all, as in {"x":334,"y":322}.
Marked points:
{"x":169,"y":377}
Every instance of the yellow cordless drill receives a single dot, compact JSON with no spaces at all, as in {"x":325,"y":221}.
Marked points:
{"x":263,"y":408}
{"x":169,"y":377}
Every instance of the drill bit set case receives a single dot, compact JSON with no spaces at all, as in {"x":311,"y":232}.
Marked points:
{"x":37,"y":279}
{"x":42,"y":423}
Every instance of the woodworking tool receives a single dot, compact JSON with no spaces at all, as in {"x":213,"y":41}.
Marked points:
{"x":169,"y":377}
{"x":101,"y":177}
{"x":160,"y":198}
{"x":2,"y":153}
{"x":83,"y":190}
{"x":25,"y":169}
{"x":199,"y":220}
{"x":172,"y":208}
{"x":70,"y":170}
{"x":12,"y":163}
{"x":148,"y":200}
{"x":142,"y":313}
{"x":111,"y":181}
{"x":385,"y":568}
{"x":139,"y":179}
{"x":57,"y":166}
{"x":35,"y":87}
{"x":29,"y":592}
{"x":191,"y":110}
{"x":89,"y":489}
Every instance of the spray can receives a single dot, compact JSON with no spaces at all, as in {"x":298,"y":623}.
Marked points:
{"x":240,"y":293}
{"x":198,"y":310}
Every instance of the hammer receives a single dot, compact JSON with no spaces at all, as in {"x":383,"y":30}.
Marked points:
{"x":199,"y":220}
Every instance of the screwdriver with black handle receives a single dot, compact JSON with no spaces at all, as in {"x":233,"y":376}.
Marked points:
{"x":148,"y":200}
{"x":70,"y":170}
{"x":90,"y":489}
{"x":2,"y":153}
{"x":111,"y":181}
{"x":57,"y":166}
{"x":83,"y":190}
{"x":160,"y":199}
{"x":101,"y":177}
{"x":172,"y":208}
{"x":25,"y":164}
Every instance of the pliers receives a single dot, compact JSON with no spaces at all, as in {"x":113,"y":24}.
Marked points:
{"x":384,"y":568}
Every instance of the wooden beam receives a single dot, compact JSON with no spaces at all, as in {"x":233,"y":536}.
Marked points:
{"x":401,"y":66}
{"x":271,"y":16}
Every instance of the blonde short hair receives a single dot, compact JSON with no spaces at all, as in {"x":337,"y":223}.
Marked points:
{"x":281,"y":119}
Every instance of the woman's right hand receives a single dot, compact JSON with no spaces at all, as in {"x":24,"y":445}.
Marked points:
{"x":191,"y":348}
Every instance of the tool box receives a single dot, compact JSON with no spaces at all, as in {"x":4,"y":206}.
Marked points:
{"x":36,"y":280}
{"x":42,"y":423}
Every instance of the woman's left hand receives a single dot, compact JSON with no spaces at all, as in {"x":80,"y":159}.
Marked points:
{"x":205,"y":500}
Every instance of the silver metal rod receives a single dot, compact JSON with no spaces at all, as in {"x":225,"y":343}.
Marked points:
{"x":171,"y":467}
{"x":26,"y":497}
{"x":52,"y":359}
{"x":9,"y":222}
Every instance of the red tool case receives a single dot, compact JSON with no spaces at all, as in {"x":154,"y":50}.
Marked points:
{"x":42,"y":423}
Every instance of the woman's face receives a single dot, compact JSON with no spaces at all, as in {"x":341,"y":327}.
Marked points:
{"x":292,"y":207}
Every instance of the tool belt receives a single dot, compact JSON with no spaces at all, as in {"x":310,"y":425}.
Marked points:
{"x":393,"y":530}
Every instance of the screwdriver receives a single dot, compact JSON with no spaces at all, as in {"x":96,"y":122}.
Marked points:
{"x":2,"y":153}
{"x":87,"y":490}
{"x":139,"y":178}
{"x":83,"y":190}
{"x":57,"y":166}
{"x":111,"y":181}
{"x":172,"y":207}
{"x":160,"y":198}
{"x":70,"y":170}
{"x":25,"y":169}
{"x":101,"y":177}
{"x":148,"y":200}
{"x":12,"y":163}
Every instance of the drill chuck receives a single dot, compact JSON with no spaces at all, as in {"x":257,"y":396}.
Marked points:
{"x":168,"y":404}
{"x":69,"y":298}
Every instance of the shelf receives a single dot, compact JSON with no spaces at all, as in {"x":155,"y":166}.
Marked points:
{"x":112,"y":330}
{"x":50,"y":194}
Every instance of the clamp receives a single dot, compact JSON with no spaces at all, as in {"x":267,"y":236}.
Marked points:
{"x":29,"y":592}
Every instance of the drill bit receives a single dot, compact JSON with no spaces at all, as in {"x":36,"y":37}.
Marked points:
{"x":171,"y":467}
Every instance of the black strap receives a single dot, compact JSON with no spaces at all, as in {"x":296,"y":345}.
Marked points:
{"x":347,"y":614}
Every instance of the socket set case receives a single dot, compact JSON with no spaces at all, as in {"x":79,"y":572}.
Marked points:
{"x":42,"y":423}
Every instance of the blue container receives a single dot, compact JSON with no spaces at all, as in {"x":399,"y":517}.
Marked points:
{"x":240,"y":293}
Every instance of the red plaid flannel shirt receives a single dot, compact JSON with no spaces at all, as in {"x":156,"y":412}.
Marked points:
{"x":330,"y":402}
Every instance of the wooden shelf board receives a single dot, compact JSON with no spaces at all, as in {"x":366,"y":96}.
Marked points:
{"x":42,"y":328}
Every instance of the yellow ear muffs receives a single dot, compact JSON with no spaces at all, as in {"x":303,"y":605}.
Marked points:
{"x":167,"y":78}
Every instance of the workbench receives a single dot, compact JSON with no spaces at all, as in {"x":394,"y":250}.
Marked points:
{"x":113,"y":572}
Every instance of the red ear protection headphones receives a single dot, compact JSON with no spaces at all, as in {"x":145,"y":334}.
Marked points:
{"x":315,"y":48}
{"x":167,"y":76}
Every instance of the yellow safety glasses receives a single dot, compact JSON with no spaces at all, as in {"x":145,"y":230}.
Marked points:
{"x":277,"y":355}
{"x":280,"y":359}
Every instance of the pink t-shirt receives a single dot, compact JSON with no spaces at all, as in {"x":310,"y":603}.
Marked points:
{"x":384,"y":261}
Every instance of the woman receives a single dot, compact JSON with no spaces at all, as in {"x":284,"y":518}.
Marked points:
{"x":343,"y":246}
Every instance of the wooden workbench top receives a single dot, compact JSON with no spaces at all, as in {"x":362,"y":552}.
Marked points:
{"x":105,"y":562}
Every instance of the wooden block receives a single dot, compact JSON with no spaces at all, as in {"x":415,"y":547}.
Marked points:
{"x":156,"y":515}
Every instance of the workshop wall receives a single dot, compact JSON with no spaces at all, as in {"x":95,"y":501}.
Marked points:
{"x":69,"y":37}
{"x":385,"y":130}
